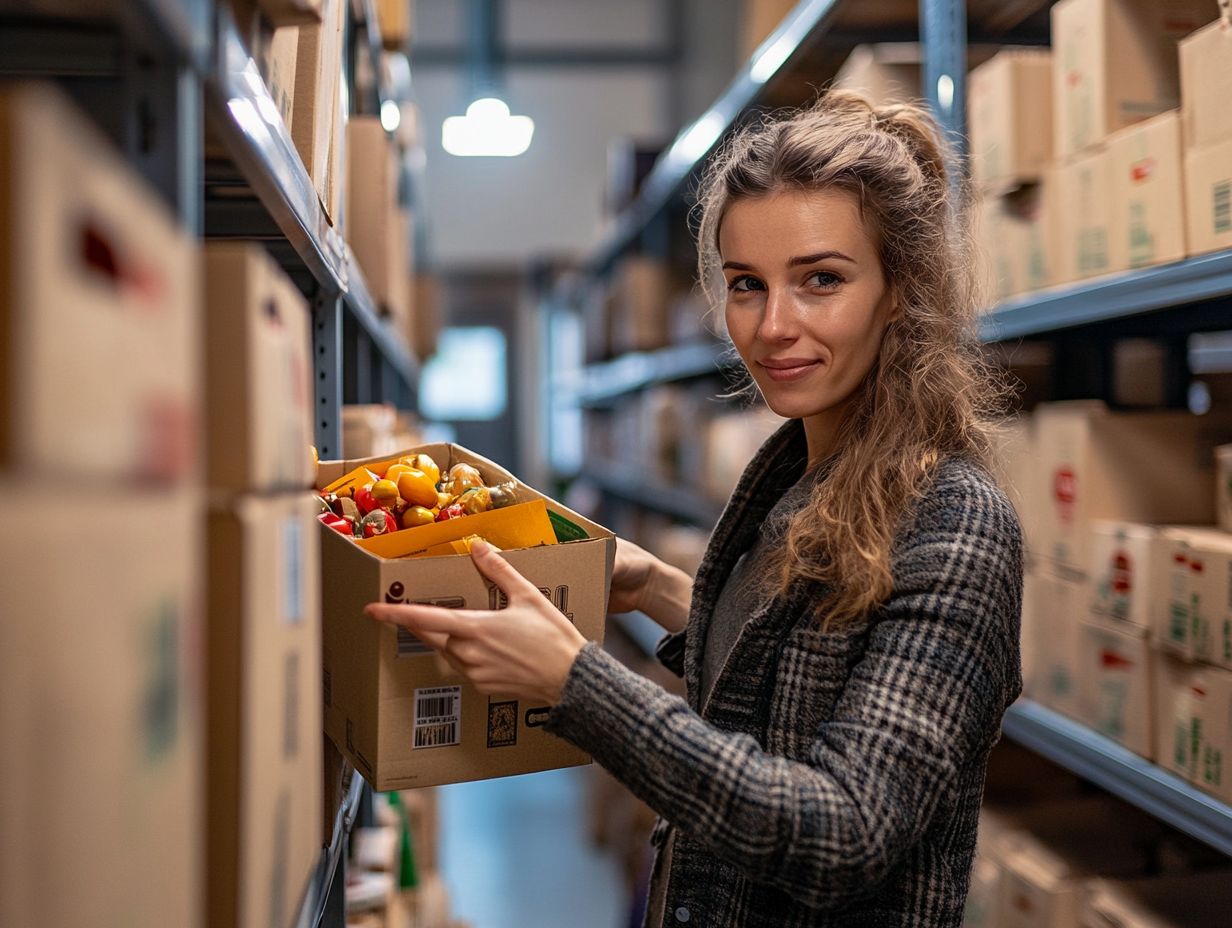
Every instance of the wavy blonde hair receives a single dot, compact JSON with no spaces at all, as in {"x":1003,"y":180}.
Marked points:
{"x":930,"y":394}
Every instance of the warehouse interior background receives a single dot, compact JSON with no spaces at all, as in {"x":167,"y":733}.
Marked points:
{"x":248,"y":280}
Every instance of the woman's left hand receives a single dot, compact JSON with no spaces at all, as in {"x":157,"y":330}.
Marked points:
{"x":525,"y":650}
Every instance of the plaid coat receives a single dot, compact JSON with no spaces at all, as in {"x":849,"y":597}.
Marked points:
{"x":831,"y":778}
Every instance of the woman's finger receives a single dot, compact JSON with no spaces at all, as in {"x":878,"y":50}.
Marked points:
{"x":500,"y":572}
{"x":422,"y":620}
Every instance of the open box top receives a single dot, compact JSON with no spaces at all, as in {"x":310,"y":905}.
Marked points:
{"x":446,"y":455}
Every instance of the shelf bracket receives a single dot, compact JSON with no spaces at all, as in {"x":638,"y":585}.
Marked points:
{"x":327,"y":373}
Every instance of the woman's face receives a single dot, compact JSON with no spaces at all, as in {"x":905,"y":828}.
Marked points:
{"x":807,"y":299}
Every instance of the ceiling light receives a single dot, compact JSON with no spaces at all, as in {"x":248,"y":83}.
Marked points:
{"x":487,"y":129}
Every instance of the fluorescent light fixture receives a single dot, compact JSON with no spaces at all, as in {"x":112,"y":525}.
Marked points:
{"x":391,"y":116}
{"x":487,"y":129}
{"x":699,"y":138}
{"x":771,"y":59}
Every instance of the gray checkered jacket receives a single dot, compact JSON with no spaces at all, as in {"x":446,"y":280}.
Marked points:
{"x":831,"y":778}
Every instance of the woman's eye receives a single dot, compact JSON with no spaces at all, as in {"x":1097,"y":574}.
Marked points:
{"x":825,"y":279}
{"x":744,"y":284}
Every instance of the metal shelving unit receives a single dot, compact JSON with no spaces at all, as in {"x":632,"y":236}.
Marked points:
{"x":168,"y":67}
{"x":1190,"y":292}
{"x":678,"y":502}
{"x":1121,"y":772}
{"x":602,"y":383}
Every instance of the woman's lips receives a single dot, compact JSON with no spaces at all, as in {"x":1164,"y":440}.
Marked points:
{"x":790,"y":369}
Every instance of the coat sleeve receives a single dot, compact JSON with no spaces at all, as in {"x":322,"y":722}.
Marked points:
{"x":670,"y":652}
{"x":925,"y":699}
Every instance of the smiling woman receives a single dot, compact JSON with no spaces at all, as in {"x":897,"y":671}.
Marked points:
{"x":850,"y":642}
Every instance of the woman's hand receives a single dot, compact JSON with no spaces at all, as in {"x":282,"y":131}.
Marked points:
{"x":525,"y":650}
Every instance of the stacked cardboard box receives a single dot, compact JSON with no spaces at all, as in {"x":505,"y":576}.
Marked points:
{"x":1011,"y":142}
{"x":378,"y":229}
{"x":1205,"y":90}
{"x":886,"y":73}
{"x":263,"y":640}
{"x":100,"y":586}
{"x":640,"y":297}
{"x":319,"y":104}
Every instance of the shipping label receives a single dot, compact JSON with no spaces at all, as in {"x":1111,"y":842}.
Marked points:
{"x":438,"y":717}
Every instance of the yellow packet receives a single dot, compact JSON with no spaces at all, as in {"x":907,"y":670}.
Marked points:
{"x":525,"y":525}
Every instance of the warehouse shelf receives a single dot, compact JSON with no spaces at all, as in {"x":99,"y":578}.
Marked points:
{"x":633,"y":484}
{"x":255,"y":135}
{"x":1120,"y":297}
{"x":1121,"y":772}
{"x":690,"y":148}
{"x":609,"y":380}
{"x":321,"y":888}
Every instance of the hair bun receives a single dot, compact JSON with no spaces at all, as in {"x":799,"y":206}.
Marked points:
{"x":916,"y":125}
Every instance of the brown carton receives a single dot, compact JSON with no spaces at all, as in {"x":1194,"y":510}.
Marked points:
{"x":376,"y":229}
{"x":1214,"y":733}
{"x":1197,"y":623}
{"x":291,"y":12}
{"x":1084,"y":217}
{"x":1206,"y":85}
{"x":264,"y":647}
{"x":101,"y":709}
{"x":1178,"y":692}
{"x":1010,"y":105}
{"x":1114,"y":689}
{"x":1208,"y":198}
{"x":317,"y":103}
{"x":402,"y":715}
{"x":258,"y":373}
{"x":888,"y":72}
{"x":641,"y":288}
{"x":1129,"y":572}
{"x":100,"y":371}
{"x":1134,"y":467}
{"x":394,"y":19}
{"x":1052,"y":636}
{"x":1223,"y":506}
{"x":276,"y":55}
{"x":1191,"y":900}
{"x":1148,"y":195}
{"x":1115,"y":64}
{"x":761,"y":17}
{"x":1016,"y":233}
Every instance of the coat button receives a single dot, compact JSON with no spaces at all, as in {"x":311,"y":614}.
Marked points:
{"x":682,"y":914}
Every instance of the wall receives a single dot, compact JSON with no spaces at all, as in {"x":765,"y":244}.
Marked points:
{"x":505,"y":211}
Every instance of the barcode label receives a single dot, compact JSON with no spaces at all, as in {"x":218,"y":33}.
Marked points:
{"x":1222,"y":196}
{"x":410,"y":646}
{"x":438,"y":717}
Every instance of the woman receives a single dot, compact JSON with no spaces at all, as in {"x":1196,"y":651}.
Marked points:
{"x":851,"y":639}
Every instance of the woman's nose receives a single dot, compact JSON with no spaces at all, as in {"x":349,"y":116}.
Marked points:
{"x":778,"y":320}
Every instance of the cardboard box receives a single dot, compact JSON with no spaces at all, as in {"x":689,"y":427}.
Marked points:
{"x":1148,"y":195}
{"x":398,"y":712}
{"x":1084,"y":217}
{"x":276,"y":55}
{"x":426,"y":316}
{"x":258,"y":363}
{"x":1177,"y":693}
{"x":641,"y":290}
{"x":1046,"y":866}
{"x":99,"y":324}
{"x":1206,"y":85}
{"x":1016,"y":467}
{"x":1214,"y":733}
{"x":394,"y":20}
{"x":1223,"y":504}
{"x":1133,"y":467}
{"x":265,"y":759}
{"x":376,"y":228}
{"x":888,"y":72}
{"x":1208,"y":198}
{"x":1054,"y":627}
{"x":1114,"y":688}
{"x":1130,"y":572}
{"x":1199,"y":611}
{"x":291,"y":12}
{"x":101,"y":708}
{"x":1009,"y":100}
{"x":1014,"y":229}
{"x":1115,"y":64}
{"x":319,"y":116}
{"x":1192,"y":900}
{"x":761,"y":17}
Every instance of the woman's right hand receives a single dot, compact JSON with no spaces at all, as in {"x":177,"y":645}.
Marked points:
{"x":631,"y":576}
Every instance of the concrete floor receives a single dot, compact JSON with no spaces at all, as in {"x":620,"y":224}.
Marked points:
{"x":515,"y":854}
